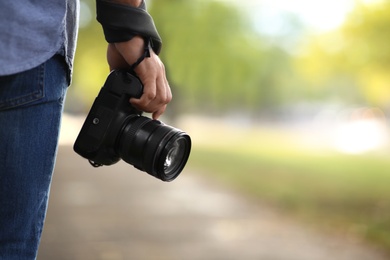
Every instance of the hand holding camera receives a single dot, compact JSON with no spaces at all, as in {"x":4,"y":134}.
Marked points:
{"x":157,"y":93}
{"x":114,"y":130}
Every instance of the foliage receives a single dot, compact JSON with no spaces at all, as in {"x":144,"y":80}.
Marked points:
{"x":216,"y":56}
{"x":210,"y":51}
{"x":215,"y":60}
{"x":367,"y":33}
{"x":353,"y":61}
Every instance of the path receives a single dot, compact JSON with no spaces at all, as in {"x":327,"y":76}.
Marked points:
{"x":117,"y":213}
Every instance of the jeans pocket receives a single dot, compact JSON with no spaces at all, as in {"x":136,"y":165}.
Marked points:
{"x":22,"y":88}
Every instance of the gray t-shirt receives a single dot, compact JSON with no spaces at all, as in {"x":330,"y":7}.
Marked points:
{"x":32,"y":31}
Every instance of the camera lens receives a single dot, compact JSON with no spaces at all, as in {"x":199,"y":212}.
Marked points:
{"x":174,"y":156}
{"x":158,"y":149}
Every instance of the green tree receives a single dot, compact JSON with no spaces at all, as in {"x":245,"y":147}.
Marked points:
{"x":366,"y":34}
{"x":211,"y":53}
{"x":215,"y":60}
{"x":218,"y":59}
{"x":353,"y":61}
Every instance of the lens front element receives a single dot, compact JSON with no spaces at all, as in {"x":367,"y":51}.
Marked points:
{"x":158,"y":149}
{"x":174,"y":156}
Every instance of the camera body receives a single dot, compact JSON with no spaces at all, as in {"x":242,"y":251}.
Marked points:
{"x":97,"y":137}
{"x":115,"y":130}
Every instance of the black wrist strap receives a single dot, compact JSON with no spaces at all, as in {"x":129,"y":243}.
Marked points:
{"x":122,"y":22}
{"x":146,"y":54}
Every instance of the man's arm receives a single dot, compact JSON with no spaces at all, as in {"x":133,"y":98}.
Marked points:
{"x":121,"y":55}
{"x":134,"y":3}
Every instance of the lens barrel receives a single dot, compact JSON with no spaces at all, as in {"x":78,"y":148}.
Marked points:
{"x":153,"y":147}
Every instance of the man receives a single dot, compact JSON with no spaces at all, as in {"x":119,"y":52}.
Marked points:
{"x":36,"y":55}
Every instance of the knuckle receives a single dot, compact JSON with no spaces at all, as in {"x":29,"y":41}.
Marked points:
{"x":150,"y":95}
{"x":166,"y":100}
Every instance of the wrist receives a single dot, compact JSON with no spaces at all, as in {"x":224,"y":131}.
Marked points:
{"x":133,"y":48}
{"x":134,"y":3}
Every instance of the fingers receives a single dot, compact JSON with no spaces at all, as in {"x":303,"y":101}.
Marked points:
{"x":158,"y":113}
{"x":157,"y":94}
{"x":151,"y":71}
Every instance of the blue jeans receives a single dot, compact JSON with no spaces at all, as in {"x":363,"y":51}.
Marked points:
{"x":31,"y":104}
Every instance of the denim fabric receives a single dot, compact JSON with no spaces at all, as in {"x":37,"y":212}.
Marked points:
{"x":31,"y":105}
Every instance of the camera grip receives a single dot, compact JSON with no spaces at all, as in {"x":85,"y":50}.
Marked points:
{"x":121,"y":82}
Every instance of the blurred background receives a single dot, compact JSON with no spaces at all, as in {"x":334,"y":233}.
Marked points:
{"x":287,"y":102}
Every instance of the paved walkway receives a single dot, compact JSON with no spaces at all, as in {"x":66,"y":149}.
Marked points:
{"x":117,"y":212}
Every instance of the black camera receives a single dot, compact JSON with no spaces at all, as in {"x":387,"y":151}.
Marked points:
{"x":115,"y":130}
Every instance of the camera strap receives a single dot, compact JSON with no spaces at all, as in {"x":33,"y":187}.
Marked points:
{"x":122,"y":22}
{"x":146,"y":54}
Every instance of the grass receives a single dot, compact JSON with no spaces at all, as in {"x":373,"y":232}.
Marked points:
{"x":343,"y":193}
